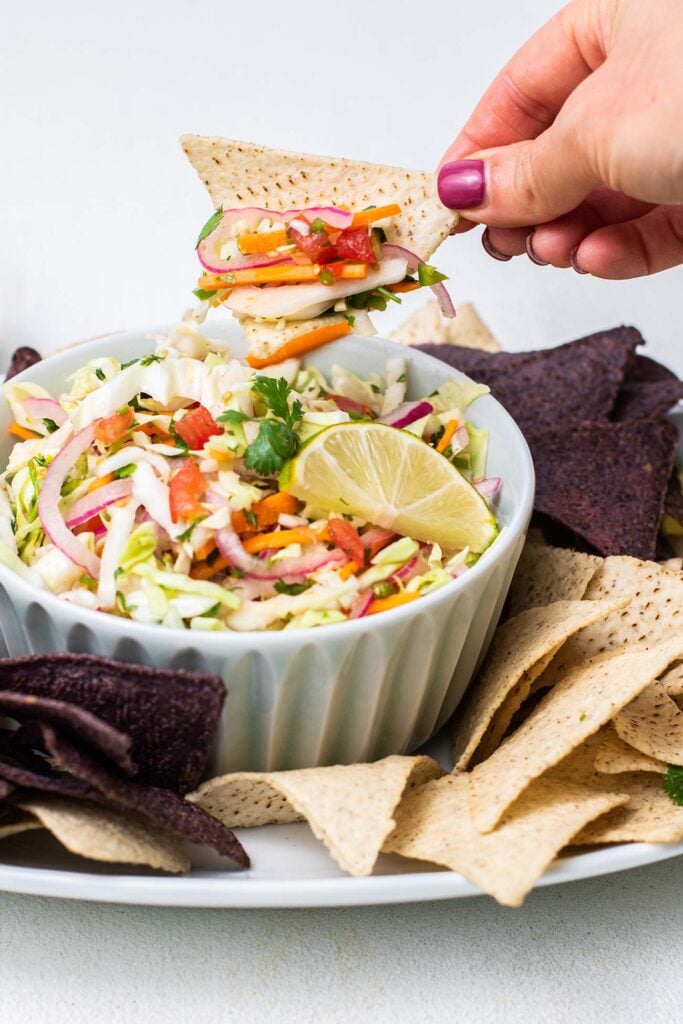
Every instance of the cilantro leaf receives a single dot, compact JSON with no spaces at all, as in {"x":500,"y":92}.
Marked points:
{"x":275,"y":393}
{"x":673,"y":783}
{"x":211,"y":224}
{"x":388,"y":294}
{"x":274,"y":444}
{"x":203,"y":295}
{"x":292,"y":588}
{"x":232,"y":416}
{"x":428,"y":275}
{"x":50,"y":426}
{"x":148,"y":360}
{"x":100,"y":374}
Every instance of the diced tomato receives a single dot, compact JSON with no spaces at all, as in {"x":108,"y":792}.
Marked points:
{"x":349,"y":405}
{"x":356,"y":244}
{"x":90,"y":526}
{"x":113,"y":428}
{"x":346,"y":537}
{"x":196,"y":427}
{"x":316,"y":245}
{"x":187,"y":490}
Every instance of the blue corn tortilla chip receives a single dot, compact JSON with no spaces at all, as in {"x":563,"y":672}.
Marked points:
{"x":74,"y":721}
{"x":578,"y":380}
{"x":21,"y":359}
{"x":170,"y":716}
{"x":606,"y":482}
{"x":161,"y":806}
{"x":649,"y":391}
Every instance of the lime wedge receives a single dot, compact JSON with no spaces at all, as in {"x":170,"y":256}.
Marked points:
{"x":391,"y":478}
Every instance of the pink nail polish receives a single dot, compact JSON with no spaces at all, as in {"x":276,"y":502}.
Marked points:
{"x":462,"y":184}
{"x":491,"y":250}
{"x":531,"y":254}
{"x":574,"y":262}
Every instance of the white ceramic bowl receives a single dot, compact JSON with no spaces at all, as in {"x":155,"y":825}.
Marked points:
{"x":351,"y":692}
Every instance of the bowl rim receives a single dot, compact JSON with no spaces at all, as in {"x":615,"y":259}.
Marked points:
{"x":130,"y":629}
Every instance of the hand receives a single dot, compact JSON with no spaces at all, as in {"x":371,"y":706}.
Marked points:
{"x":580,"y":137}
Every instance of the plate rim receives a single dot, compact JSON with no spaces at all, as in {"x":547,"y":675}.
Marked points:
{"x":241,"y":890}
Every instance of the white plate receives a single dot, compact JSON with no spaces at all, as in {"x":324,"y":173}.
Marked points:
{"x":290,"y":868}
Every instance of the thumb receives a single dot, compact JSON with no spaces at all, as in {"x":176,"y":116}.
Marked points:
{"x":525,"y":183}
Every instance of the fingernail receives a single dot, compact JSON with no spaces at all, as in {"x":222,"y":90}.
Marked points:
{"x":491,"y":249}
{"x":462,"y":184}
{"x":531,"y":254}
{"x":574,"y":263}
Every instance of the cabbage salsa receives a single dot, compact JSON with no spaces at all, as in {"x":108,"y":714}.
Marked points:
{"x":152,"y":490}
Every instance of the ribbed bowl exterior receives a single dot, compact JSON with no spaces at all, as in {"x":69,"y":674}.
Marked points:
{"x":337,"y":694}
{"x":313,"y":698}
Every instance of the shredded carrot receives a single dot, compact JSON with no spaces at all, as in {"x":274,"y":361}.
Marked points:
{"x":101,"y":481}
{"x":379,"y":213}
{"x":23,"y":432}
{"x":264,"y":241}
{"x":301,"y":344}
{"x":403,"y":286}
{"x":348,"y":570}
{"x":204,"y":551}
{"x":204,"y":571}
{"x":447,"y":436}
{"x":282,"y":539}
{"x":383,"y":604}
{"x":284,"y":274}
{"x":266,"y":512}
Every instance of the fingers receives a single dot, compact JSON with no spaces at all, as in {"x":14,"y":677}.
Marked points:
{"x":553,"y":242}
{"x":528,"y":93}
{"x":525,"y":183}
{"x":648,"y":245}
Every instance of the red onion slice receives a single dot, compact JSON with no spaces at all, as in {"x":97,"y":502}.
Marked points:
{"x":407,"y":413}
{"x":377,"y":535}
{"x":48,"y":503}
{"x":413,"y":260}
{"x":209,"y":248}
{"x":317,"y":557}
{"x":416,"y":566}
{"x":360,"y":606}
{"x":90,"y":504}
{"x":488,"y":485}
{"x":45,"y":409}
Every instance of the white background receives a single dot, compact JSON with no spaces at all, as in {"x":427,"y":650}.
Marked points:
{"x":98,"y":214}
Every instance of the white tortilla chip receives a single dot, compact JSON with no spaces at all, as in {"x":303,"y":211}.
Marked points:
{"x":428,"y":324}
{"x":15,"y":822}
{"x":433,"y":824}
{"x":520,"y":651}
{"x":673,"y":683}
{"x":264,"y":338}
{"x":348,"y":807}
{"x":650,"y":816}
{"x":653,"y":724}
{"x":653,"y":615}
{"x":573,"y":711}
{"x":546,"y":574}
{"x":239,"y":174}
{"x":100,"y":833}
{"x":614,"y":756}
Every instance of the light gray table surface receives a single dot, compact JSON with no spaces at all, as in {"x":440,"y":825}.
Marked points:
{"x":98,"y":213}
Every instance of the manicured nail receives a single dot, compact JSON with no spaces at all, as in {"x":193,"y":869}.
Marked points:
{"x":531,"y":254}
{"x":491,"y":249}
{"x":574,"y":263}
{"x":462,"y":184}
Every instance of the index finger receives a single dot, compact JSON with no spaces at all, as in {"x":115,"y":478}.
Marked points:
{"x":525,"y":97}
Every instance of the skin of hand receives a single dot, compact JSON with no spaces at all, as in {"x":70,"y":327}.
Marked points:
{"x":580,"y":139}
